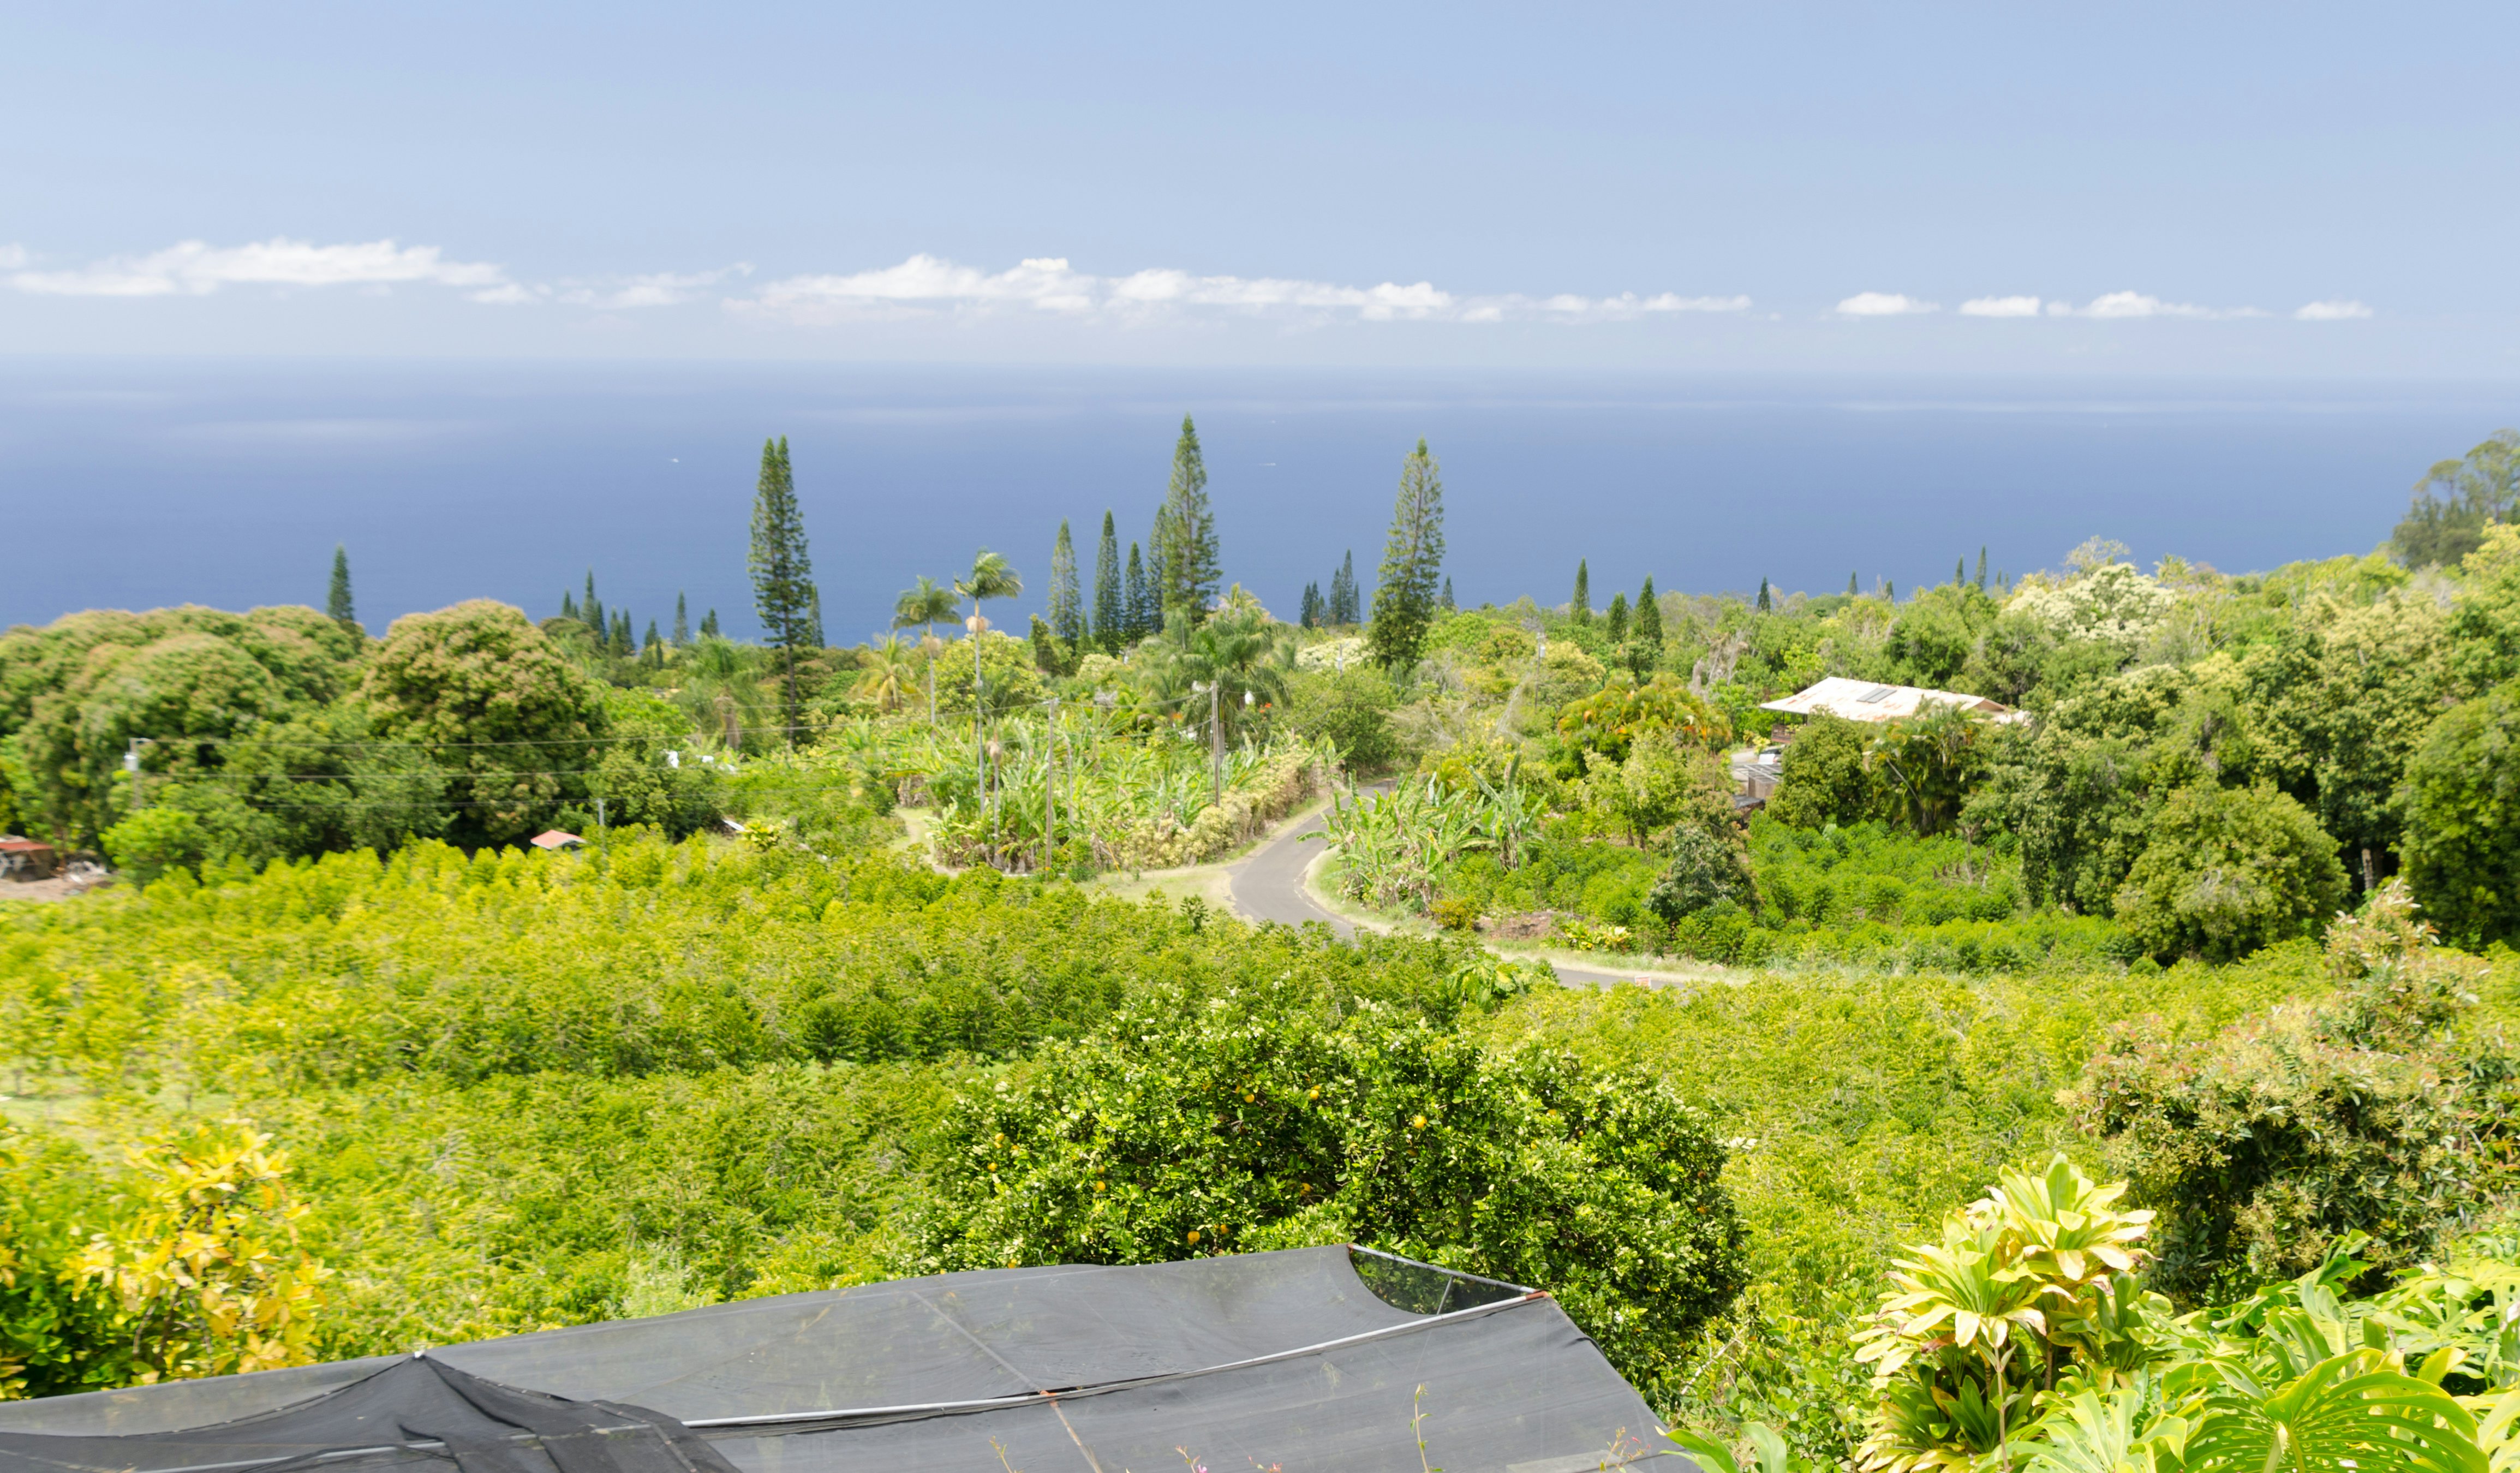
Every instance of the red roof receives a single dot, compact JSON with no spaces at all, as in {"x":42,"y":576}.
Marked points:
{"x":23,"y":846}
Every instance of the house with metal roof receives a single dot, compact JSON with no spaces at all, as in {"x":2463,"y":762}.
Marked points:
{"x":1866,"y":700}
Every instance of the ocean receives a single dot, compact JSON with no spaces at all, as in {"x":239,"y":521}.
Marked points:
{"x":140,"y":483}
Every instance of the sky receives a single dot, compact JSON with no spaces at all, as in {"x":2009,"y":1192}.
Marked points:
{"x":2244,"y":190}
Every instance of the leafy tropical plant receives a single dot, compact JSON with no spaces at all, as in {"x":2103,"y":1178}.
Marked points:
{"x":209,"y":1272}
{"x":2030,"y":1283}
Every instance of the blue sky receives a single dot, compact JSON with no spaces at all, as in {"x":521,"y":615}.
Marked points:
{"x":2254,"y":189}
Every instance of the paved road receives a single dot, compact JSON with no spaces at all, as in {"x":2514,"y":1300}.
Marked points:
{"x":1270,"y":886}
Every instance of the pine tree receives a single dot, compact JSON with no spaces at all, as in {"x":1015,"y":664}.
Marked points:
{"x":591,"y":609}
{"x":1445,"y":602}
{"x":1649,"y":617}
{"x":1157,"y":537}
{"x":1850,"y":585}
{"x":1981,"y":568}
{"x":1413,"y":558}
{"x":814,"y":624}
{"x":1890,"y":590}
{"x":1192,"y":567}
{"x":1767,"y":604}
{"x":616,"y":640}
{"x":1616,"y":621}
{"x":336,"y":602}
{"x":653,"y":640}
{"x":682,"y":622}
{"x":782,"y":573}
{"x":1111,"y":620}
{"x":1344,"y":610}
{"x":1581,"y":605}
{"x":1312,"y":607}
{"x":1066,"y":600}
{"x":1045,"y":647}
{"x":568,"y":604}
{"x":708,"y":626}
{"x":1138,"y":597}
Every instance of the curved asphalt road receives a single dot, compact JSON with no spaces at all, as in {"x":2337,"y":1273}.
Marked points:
{"x":1270,"y":886}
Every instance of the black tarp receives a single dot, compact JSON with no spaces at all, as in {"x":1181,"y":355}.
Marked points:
{"x":1311,"y":1360}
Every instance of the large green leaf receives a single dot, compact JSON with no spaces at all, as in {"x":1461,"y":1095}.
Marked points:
{"x":2343,"y":1413}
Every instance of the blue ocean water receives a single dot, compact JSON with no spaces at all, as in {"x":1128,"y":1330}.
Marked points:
{"x":140,"y":483}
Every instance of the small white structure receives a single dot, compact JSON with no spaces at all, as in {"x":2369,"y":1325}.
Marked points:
{"x":557,"y":839}
{"x":1863,"y":701}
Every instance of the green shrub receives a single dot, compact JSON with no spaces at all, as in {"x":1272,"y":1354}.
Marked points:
{"x":2463,"y":839}
{"x":1262,"y":1121}
{"x":1824,"y":780}
{"x":2229,"y":869}
{"x":154,"y":840}
{"x":1352,"y":708}
{"x":2267,"y":1145}
{"x":1706,"y":867}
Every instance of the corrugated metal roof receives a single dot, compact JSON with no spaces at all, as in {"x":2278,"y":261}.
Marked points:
{"x":1866,"y":700}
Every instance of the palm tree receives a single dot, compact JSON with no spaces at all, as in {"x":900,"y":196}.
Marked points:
{"x":924,"y":605}
{"x":991,"y":578}
{"x":888,"y":675}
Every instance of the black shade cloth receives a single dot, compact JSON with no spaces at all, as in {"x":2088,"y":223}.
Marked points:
{"x":414,"y":1410}
{"x":1323,"y":1359}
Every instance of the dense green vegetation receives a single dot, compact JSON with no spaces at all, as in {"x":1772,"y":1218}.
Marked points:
{"x":2172,"y":929}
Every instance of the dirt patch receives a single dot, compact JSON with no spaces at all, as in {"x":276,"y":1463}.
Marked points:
{"x":59,"y":887}
{"x":1534,"y":925}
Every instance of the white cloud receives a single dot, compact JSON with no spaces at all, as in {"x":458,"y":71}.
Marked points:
{"x":1884,"y":304}
{"x":925,"y":283}
{"x":661,"y":288}
{"x":12,"y":258}
{"x":2001,"y":307}
{"x":193,"y":268}
{"x":2336,"y":310}
{"x":2131,"y":304}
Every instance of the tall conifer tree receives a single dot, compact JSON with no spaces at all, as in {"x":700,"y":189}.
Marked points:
{"x":337,"y":602}
{"x":783,"y":574}
{"x":1139,"y":598}
{"x":592,"y":609}
{"x":1616,"y":620}
{"x":1311,"y":617}
{"x":1412,"y":560}
{"x":708,"y":626}
{"x":1649,"y":617}
{"x":1066,"y":600}
{"x":682,"y":622}
{"x":1981,"y":568}
{"x":1190,"y":567}
{"x":1445,"y":602}
{"x":1344,"y":609}
{"x":1581,"y":605}
{"x":1765,"y":604}
{"x":1110,"y":618}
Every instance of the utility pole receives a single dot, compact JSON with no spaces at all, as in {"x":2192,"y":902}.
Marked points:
{"x":1215,"y":746}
